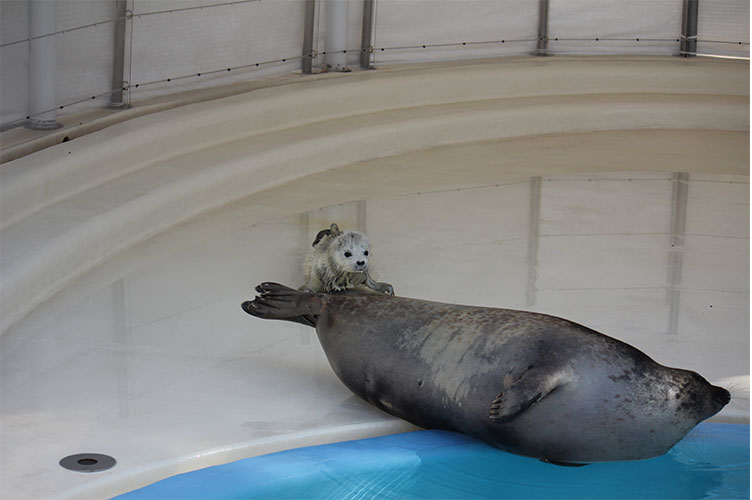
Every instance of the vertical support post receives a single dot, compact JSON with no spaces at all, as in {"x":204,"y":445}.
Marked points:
{"x":688,"y":41}
{"x":42,"y":66}
{"x":542,"y":47}
{"x":308,"y":28}
{"x":366,"y":47}
{"x":118,"y":55}
{"x":679,"y":195}
{"x":336,"y":35}
{"x":533,"y":238}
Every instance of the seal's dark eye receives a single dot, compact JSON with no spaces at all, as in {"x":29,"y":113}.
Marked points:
{"x":365,"y":253}
{"x":348,"y":254}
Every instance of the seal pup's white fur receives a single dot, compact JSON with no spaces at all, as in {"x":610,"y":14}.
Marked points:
{"x":339,"y":261}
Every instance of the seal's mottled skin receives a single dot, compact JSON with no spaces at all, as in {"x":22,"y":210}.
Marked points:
{"x":528,"y":383}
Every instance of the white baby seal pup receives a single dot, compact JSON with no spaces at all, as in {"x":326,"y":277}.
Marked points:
{"x":339,"y":261}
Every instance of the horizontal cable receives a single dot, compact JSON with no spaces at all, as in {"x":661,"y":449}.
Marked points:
{"x":609,"y":179}
{"x":127,"y":87}
{"x":550,"y":39}
{"x":129,"y":16}
{"x":314,"y":55}
{"x":197,"y":7}
{"x":607,"y":39}
{"x":641,"y":39}
{"x":454,"y":44}
{"x":216,"y":71}
{"x":61,"y":32}
{"x":404,"y":47}
{"x":700,"y":40}
{"x":22,"y":121}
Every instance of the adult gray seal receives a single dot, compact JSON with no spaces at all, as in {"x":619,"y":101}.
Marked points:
{"x":527,"y":383}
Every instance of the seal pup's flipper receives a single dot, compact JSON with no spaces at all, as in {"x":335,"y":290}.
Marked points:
{"x":378,"y":286}
{"x":275,"y":301}
{"x":320,"y":236}
{"x":522,"y":389}
{"x":333,"y":232}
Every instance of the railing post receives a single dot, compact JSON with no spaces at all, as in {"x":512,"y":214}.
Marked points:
{"x":118,"y":55}
{"x":366,"y":48}
{"x":42,"y":66}
{"x":542,"y":47}
{"x":688,"y":43}
{"x":308,"y":28}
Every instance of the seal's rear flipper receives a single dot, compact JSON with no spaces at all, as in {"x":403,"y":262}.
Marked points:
{"x":275,"y":301}
{"x":250,"y":308}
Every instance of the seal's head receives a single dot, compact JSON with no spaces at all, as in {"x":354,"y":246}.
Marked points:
{"x":695,"y":398}
{"x":349,"y":252}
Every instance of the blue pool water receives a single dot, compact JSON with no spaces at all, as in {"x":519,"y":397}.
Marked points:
{"x":711,"y":462}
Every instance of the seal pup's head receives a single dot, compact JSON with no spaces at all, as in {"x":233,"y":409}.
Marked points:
{"x":349,"y":252}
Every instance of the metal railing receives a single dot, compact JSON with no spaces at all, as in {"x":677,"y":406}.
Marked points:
{"x":119,"y":93}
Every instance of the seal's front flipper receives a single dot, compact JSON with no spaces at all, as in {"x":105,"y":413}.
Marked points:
{"x":275,"y":301}
{"x":506,"y":406}
{"x":522,"y":389}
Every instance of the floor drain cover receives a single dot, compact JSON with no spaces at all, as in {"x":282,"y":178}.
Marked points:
{"x":87,"y":462}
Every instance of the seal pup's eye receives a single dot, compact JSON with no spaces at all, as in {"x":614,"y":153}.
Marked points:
{"x":348,"y":254}
{"x":365,"y":253}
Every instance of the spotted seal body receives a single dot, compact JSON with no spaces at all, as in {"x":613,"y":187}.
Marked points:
{"x":527,"y":383}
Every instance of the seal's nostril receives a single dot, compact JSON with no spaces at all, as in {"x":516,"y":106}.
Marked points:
{"x":722,"y":395}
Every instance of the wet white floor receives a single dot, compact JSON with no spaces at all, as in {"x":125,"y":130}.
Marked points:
{"x":150,"y":359}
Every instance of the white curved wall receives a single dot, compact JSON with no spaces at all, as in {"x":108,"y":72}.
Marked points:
{"x":161,"y":169}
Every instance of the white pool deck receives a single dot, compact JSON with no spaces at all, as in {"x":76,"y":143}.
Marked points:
{"x":611,"y":191}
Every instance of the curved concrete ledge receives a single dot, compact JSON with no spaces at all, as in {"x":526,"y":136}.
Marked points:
{"x":138,"y":477}
{"x":41,"y":179}
{"x":70,"y":207}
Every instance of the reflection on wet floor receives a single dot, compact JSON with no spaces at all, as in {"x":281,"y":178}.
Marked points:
{"x":154,"y":343}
